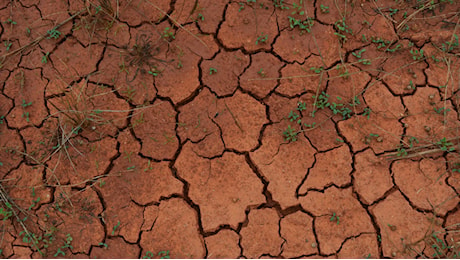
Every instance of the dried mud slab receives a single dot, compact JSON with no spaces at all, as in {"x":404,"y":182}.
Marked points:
{"x":283,"y":170}
{"x":196,"y":124}
{"x":372,"y":177}
{"x":118,"y":248}
{"x":221,"y":74}
{"x":426,"y":188}
{"x":402,"y":227}
{"x":299,"y":78}
{"x":181,"y":237}
{"x":80,"y":210}
{"x":339,"y":216}
{"x":224,"y":244}
{"x":297,"y":230}
{"x":437,"y":118}
{"x":263,"y":66}
{"x":243,"y":118}
{"x":332,"y":167}
{"x":154,"y":125}
{"x":263,"y":223}
{"x":255,"y":22}
{"x":224,"y":187}
{"x":26,"y":88}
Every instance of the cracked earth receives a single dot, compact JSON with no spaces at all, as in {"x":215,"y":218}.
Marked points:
{"x":229,"y":129}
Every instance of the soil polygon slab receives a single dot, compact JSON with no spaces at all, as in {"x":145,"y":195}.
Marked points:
{"x":263,"y":223}
{"x":283,"y":169}
{"x":426,"y":188}
{"x":341,"y":218}
{"x":224,"y":244}
{"x":181,"y":238}
{"x":223,"y":187}
{"x":297,"y":230}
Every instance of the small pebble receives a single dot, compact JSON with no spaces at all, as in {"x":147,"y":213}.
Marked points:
{"x":314,"y":245}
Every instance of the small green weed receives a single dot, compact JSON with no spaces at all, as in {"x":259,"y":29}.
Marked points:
{"x":53,"y":34}
{"x":335,"y":218}
{"x":212,"y":71}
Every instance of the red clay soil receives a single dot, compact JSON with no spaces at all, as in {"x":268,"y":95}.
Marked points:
{"x":229,"y":129}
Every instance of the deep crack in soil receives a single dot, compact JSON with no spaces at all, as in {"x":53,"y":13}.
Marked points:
{"x":229,"y":129}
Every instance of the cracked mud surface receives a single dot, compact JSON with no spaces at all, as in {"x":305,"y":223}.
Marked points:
{"x":229,"y":129}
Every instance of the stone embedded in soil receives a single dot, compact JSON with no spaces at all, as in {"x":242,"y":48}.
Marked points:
{"x":260,"y":78}
{"x":283,"y":169}
{"x":155,"y":125}
{"x":228,"y":66}
{"x":401,"y":225}
{"x":339,"y":216}
{"x":255,"y":23}
{"x":223,"y":187}
{"x":332,"y":167}
{"x":240,"y":118}
{"x":115,"y":248}
{"x":297,"y":78}
{"x":224,"y":244}
{"x":424,"y":183}
{"x":297,"y":230}
{"x":363,"y":246}
{"x":262,"y":226}
{"x":176,"y":229}
{"x":26,"y":87}
{"x":371,"y":176}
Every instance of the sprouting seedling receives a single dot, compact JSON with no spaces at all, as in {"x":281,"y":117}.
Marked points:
{"x":115,"y":228}
{"x":290,"y":134}
{"x":167,"y":34}
{"x":261,"y":73}
{"x":212,"y":71}
{"x":335,"y":218}
{"x":262,"y":38}
{"x":445,"y":145}
{"x":53,"y":34}
{"x":45,"y":58}
{"x":10,"y":21}
{"x":324,"y":9}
